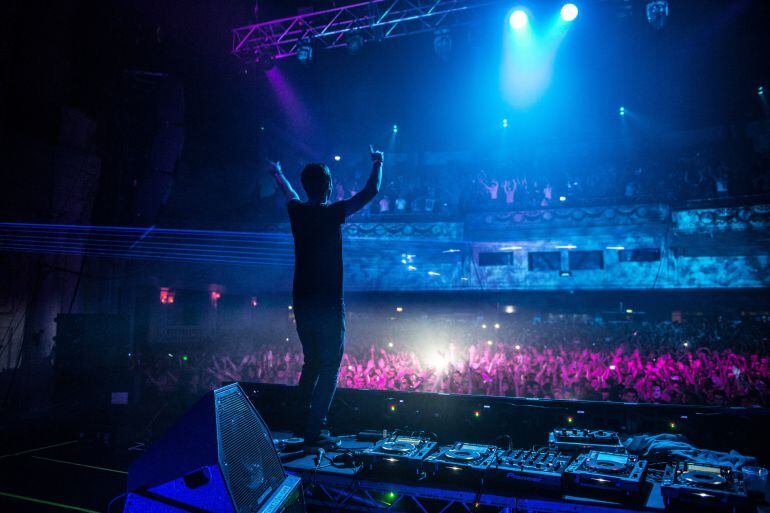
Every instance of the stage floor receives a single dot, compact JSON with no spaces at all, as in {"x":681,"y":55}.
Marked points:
{"x":47,"y":476}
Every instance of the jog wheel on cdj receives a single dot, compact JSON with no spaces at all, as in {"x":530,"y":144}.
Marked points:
{"x":291,"y":444}
{"x":398,"y":447}
{"x":703,"y":479}
{"x":600,"y":434}
{"x":608,"y":466}
{"x":460,"y":455}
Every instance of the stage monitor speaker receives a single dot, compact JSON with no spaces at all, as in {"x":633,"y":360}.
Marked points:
{"x":218,"y":458}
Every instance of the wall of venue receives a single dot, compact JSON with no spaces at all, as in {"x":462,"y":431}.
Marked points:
{"x":647,"y":246}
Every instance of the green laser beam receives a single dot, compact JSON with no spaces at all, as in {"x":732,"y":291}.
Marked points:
{"x":38,"y":449}
{"x":81,"y":465}
{"x":47,"y":503}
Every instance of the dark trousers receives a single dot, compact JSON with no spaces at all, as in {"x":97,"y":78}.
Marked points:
{"x":321,"y":329}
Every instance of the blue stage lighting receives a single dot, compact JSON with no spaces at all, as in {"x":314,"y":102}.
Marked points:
{"x":505,"y":122}
{"x":569,"y":12}
{"x":304,"y":52}
{"x":622,"y":111}
{"x":761,"y":90}
{"x":395,"y":129}
{"x":518,"y":19}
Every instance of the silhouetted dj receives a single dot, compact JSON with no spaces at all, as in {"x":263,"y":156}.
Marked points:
{"x":319,"y":308}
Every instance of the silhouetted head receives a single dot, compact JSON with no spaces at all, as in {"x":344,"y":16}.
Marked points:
{"x":317,"y":182}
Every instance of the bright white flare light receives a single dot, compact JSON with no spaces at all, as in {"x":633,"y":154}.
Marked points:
{"x":438,"y":361}
{"x":569,"y":12}
{"x":518,"y":19}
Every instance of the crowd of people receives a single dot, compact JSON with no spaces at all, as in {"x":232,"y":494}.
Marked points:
{"x":708,"y":362}
{"x":672,"y":177}
{"x":454,"y":189}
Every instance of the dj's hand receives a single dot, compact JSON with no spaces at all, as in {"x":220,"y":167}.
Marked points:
{"x":377,"y":156}
{"x":275,"y":167}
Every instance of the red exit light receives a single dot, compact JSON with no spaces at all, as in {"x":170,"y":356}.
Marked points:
{"x":166,"y":296}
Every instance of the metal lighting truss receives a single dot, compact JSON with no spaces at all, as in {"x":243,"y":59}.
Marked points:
{"x":337,"y":492}
{"x":345,"y":493}
{"x":374,"y":20}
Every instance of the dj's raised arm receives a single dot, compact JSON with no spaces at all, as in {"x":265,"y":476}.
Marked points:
{"x":372,"y":187}
{"x":282,"y":181}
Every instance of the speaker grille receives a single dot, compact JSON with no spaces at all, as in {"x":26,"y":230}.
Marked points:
{"x":248,"y":458}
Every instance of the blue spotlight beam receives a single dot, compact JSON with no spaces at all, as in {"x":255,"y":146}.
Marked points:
{"x":527,"y":60}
